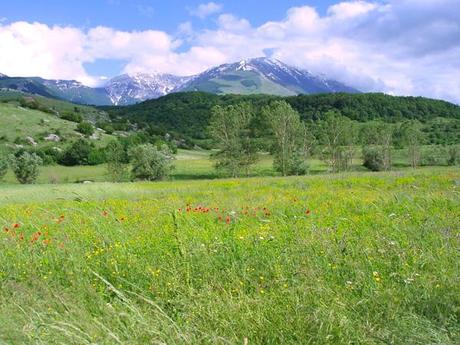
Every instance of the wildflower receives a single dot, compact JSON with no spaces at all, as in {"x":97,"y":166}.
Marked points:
{"x":307,"y":212}
{"x":6,"y":229}
{"x":228,"y":219}
{"x":105,"y":213}
{"x":16,"y":225}
{"x":376,"y":276}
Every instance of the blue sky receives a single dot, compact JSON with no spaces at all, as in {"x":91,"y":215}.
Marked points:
{"x":143,"y":14}
{"x":403,"y":47}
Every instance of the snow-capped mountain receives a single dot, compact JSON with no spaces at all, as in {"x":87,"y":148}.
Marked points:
{"x":128,"y":89}
{"x":262,"y":75}
{"x":250,"y":76}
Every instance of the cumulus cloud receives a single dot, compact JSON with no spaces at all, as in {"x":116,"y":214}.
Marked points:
{"x":406,"y":47}
{"x":205,"y":10}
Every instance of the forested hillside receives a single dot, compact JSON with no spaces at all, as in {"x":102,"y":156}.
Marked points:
{"x":189,"y":113}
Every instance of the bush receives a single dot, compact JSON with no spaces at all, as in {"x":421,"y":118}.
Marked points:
{"x":77,"y":154}
{"x":150,"y":163}
{"x":433,"y":156}
{"x":72,"y":117}
{"x":26,"y":167}
{"x":454,"y":155}
{"x":373,"y":159}
{"x":3,"y":167}
{"x":97,"y":156}
{"x":116,"y":161}
{"x":85,"y":128}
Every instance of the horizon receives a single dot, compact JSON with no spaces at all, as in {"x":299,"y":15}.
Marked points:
{"x":406,"y":47}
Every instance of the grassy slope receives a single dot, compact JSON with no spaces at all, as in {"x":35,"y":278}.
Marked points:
{"x":22,"y":122}
{"x":375,"y":262}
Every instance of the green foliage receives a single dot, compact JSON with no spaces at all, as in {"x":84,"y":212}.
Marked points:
{"x":413,"y":138}
{"x":337,"y":134}
{"x":150,"y":163}
{"x":3,"y":166}
{"x":373,"y":158}
{"x":77,"y":153}
{"x":230,"y":128}
{"x":189,"y":114}
{"x":85,"y":128}
{"x":454,"y":155}
{"x":25,"y":167}
{"x":288,"y":132}
{"x":116,"y":161}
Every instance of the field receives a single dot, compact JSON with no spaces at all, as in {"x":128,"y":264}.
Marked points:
{"x":335,"y":259}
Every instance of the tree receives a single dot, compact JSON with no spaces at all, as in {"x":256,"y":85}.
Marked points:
{"x":116,"y":161}
{"x":26,"y":167}
{"x":337,"y":134}
{"x":230,"y":127}
{"x":377,"y":141}
{"x":413,"y":138}
{"x":85,"y":128}
{"x":77,"y":154}
{"x":290,"y":134}
{"x":3,"y":167}
{"x":150,"y":163}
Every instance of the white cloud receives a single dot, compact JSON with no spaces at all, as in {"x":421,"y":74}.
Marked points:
{"x":205,"y":10}
{"x":403,"y":47}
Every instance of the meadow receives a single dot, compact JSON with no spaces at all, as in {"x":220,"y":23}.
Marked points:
{"x":362,"y":258}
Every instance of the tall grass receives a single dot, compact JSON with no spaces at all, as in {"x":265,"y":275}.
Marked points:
{"x":356,"y":258}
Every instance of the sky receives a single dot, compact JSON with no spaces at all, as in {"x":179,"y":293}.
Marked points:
{"x":401,"y":47}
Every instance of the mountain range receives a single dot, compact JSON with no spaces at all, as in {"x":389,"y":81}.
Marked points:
{"x":249,"y":76}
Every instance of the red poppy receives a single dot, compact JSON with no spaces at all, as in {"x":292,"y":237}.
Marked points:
{"x":105,"y":213}
{"x":228,"y":220}
{"x":16,"y":225}
{"x":6,"y":229}
{"x":307,"y":212}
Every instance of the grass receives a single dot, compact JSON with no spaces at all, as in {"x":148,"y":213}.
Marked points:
{"x":335,"y":259}
{"x":18,"y":122}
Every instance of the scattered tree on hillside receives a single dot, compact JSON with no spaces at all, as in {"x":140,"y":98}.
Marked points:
{"x":230,"y":128}
{"x":25,"y":167}
{"x":291,"y":144}
{"x":337,"y":134}
{"x":150,"y":163}
{"x":116,"y":161}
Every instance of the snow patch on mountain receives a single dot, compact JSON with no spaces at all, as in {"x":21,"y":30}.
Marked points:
{"x":133,"y":88}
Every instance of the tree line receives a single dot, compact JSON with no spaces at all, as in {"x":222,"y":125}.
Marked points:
{"x":241,"y":131}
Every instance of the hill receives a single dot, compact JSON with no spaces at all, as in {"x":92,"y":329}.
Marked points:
{"x":25,"y":121}
{"x":188,"y":113}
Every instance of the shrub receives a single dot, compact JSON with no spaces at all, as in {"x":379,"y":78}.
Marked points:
{"x":26,"y":167}
{"x":433,"y":156}
{"x":72,"y":117}
{"x":3,"y":167}
{"x":150,"y":163}
{"x":454,"y":155}
{"x":373,"y":159}
{"x":116,"y":161}
{"x":97,"y":156}
{"x":85,"y":128}
{"x":77,"y":154}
